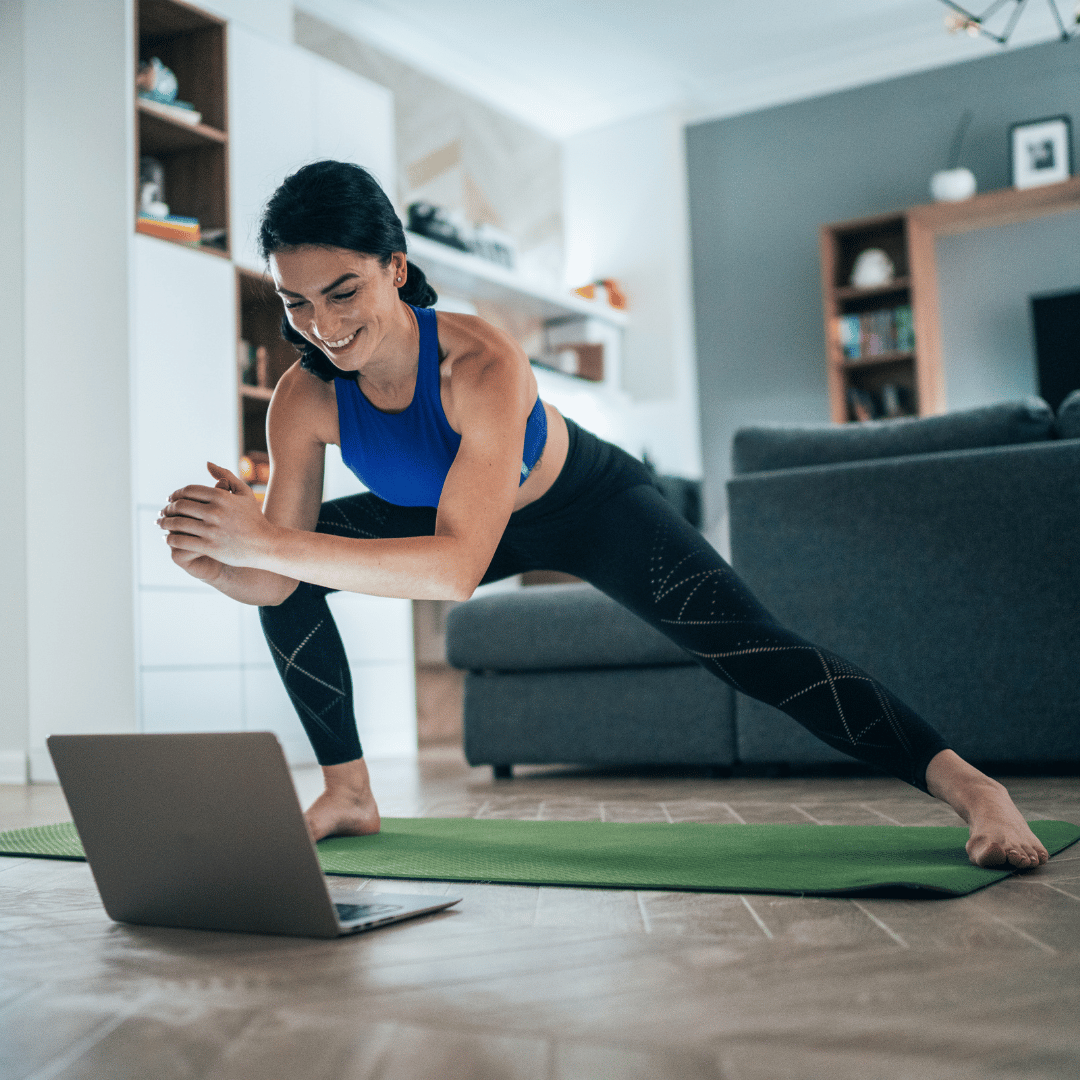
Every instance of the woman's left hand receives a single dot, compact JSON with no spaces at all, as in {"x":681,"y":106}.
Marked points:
{"x":224,"y":522}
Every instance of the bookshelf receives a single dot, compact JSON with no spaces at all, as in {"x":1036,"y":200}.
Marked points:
{"x":909,"y":238}
{"x":194,"y":156}
{"x":872,"y":358}
{"x":263,"y":356}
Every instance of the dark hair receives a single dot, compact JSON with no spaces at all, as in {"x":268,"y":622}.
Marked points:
{"x":336,"y":204}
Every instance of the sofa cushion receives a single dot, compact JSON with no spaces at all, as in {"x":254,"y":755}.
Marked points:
{"x":553,"y":628}
{"x":770,"y":447}
{"x":1067,"y":424}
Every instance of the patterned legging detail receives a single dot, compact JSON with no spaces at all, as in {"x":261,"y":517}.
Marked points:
{"x":633,"y":546}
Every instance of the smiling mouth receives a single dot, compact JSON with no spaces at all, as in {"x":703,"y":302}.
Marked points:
{"x":343,"y":342}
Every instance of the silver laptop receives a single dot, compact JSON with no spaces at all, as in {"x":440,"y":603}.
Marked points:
{"x":205,"y":831}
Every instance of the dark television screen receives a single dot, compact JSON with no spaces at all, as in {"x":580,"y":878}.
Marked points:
{"x":1056,"y":319}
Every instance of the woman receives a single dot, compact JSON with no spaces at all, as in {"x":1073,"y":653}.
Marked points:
{"x":472,"y":478}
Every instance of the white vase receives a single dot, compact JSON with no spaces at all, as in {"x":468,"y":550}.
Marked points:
{"x":952,"y":185}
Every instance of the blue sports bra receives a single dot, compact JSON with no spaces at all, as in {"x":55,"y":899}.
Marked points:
{"x":404,"y":457}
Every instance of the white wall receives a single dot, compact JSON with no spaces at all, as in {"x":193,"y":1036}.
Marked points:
{"x":14,"y":675}
{"x":625,"y":212}
{"x":77,"y":200}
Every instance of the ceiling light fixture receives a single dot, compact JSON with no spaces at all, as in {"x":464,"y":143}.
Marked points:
{"x":960,"y":19}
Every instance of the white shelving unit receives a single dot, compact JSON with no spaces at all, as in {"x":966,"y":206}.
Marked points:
{"x":472,"y":278}
{"x":203,"y":662}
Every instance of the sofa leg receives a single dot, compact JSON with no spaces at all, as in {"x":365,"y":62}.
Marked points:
{"x":503,"y":772}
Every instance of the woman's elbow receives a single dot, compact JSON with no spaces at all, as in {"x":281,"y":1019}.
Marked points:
{"x":461,"y":588}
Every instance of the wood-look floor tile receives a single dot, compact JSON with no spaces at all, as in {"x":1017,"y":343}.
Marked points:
{"x":34,"y":1032}
{"x":456,"y":1055}
{"x":569,"y":810}
{"x":163,"y":1043}
{"x":816,"y":922}
{"x":514,"y":810}
{"x":953,"y":924}
{"x":838,"y":813}
{"x":918,"y":810}
{"x":584,"y":1061}
{"x":301,"y":1044}
{"x":768,"y":813}
{"x":712,"y":813}
{"x":606,"y":910}
{"x":1045,"y":917}
{"x":294,"y":1043}
{"x":487,"y":906}
{"x":612,"y":810}
{"x":766,"y":1060}
{"x":723,"y":916}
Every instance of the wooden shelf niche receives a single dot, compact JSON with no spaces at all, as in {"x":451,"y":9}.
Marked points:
{"x":877,"y":375}
{"x":195,"y":156}
{"x":262,"y":356}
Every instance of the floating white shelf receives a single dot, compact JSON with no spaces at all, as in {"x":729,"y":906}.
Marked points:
{"x":472,"y":278}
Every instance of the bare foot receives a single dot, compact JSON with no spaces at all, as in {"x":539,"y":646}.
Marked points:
{"x":999,"y":834}
{"x":347,"y":806}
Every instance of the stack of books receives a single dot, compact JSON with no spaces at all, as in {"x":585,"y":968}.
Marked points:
{"x":182,"y":111}
{"x":876,"y":333}
{"x":182,"y":230}
{"x":890,"y":402}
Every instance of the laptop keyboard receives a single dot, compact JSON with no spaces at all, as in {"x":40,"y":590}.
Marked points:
{"x":350,"y":912}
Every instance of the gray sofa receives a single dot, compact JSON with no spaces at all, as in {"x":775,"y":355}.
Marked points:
{"x":941,"y":554}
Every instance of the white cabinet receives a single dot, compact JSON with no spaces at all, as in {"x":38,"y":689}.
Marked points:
{"x":354,"y":121}
{"x":271,"y":105}
{"x":185,"y":367}
{"x":288,"y":107}
{"x":184,"y":376}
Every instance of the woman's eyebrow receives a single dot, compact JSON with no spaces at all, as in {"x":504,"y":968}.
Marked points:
{"x":329,"y":288}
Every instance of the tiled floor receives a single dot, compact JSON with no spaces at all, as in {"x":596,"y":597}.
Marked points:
{"x":563,"y":984}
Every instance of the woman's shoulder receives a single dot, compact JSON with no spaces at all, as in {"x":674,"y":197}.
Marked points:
{"x":472,"y":344}
{"x":302,"y":401}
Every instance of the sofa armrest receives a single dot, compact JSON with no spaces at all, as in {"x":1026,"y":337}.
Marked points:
{"x":954,"y":578}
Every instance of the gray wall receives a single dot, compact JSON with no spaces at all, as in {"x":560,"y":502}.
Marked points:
{"x":762,"y":184}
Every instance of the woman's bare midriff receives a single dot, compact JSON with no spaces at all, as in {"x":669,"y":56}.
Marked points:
{"x":546,"y":471}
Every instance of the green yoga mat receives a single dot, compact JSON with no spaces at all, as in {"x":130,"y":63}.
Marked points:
{"x":809,"y":859}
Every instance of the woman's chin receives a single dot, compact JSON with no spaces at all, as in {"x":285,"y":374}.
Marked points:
{"x":347,"y":359}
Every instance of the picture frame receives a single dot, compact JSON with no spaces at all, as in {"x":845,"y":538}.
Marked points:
{"x":1040,"y":151}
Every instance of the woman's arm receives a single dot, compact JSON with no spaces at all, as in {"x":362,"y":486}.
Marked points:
{"x":492,"y":396}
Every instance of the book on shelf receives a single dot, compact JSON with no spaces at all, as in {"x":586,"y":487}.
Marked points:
{"x":876,"y":333}
{"x":184,"y":230}
{"x":891,"y":401}
{"x":182,"y":111}
{"x":253,"y":362}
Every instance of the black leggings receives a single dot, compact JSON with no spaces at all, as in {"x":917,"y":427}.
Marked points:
{"x":604,"y":521}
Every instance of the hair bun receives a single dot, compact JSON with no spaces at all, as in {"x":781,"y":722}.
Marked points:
{"x":416,"y":290}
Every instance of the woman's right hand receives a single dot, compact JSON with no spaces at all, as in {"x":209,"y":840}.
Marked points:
{"x":200,"y":567}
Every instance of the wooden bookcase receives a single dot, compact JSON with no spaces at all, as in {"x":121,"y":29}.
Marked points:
{"x":195,"y":156}
{"x":260,"y":340}
{"x":869,"y":375}
{"x":909,"y":237}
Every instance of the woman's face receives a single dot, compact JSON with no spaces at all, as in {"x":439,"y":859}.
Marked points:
{"x":344,"y":303}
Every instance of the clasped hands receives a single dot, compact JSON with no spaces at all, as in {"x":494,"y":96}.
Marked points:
{"x":209,"y":526}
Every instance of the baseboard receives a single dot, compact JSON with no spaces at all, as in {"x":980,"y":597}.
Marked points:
{"x":13,"y":767}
